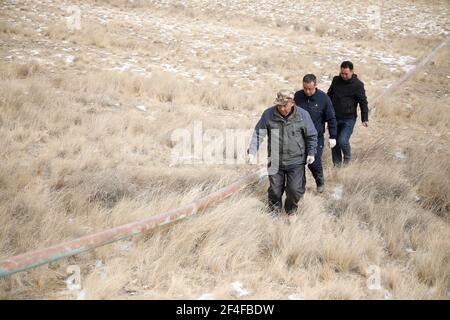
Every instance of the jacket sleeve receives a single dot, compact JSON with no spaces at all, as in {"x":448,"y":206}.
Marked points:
{"x":330,"y":118}
{"x":362,"y":100}
{"x":259,"y":133}
{"x":310,"y":134}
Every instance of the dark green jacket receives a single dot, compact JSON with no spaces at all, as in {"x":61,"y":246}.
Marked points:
{"x":290,"y":139}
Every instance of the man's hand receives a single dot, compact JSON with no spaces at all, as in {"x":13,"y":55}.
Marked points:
{"x":332,"y":143}
{"x":365,"y":124}
{"x":309,"y":159}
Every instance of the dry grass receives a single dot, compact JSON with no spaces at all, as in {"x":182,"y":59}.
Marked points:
{"x":78,"y":157}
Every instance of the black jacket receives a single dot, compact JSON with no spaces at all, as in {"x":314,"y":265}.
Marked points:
{"x":320,"y":109}
{"x":345,"y":95}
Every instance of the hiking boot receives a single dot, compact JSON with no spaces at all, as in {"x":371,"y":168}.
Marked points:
{"x":320,"y":188}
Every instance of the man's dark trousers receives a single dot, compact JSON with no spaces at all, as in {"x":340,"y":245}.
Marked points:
{"x":316,"y":167}
{"x":289,"y":180}
{"x":342,"y":148}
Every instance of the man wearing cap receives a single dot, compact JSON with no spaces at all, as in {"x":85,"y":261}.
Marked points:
{"x":292,"y":142}
{"x":320,"y":108}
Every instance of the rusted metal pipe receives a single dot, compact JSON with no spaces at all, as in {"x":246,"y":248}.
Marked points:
{"x":40,"y":257}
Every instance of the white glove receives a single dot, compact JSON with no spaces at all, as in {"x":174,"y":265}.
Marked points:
{"x":332,"y":143}
{"x":309,"y":159}
{"x":250,"y":158}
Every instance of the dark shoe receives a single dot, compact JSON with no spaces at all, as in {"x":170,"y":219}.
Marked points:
{"x":320,"y":188}
{"x":273,"y":211}
{"x":291,"y":212}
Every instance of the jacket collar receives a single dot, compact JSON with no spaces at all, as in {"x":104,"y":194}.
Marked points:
{"x":313,"y":97}
{"x":354,"y":76}
{"x":278,"y":116}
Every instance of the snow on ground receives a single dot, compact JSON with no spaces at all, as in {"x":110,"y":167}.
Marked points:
{"x":204,"y":50}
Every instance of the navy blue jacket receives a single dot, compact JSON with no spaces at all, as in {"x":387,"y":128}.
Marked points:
{"x":320,"y":109}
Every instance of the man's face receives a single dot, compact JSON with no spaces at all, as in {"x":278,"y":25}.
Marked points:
{"x":309,"y":88}
{"x":346,"y":74}
{"x":285,"y":108}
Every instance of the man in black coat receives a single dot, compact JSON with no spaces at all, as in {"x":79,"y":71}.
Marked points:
{"x":346,"y":92}
{"x":320,"y":108}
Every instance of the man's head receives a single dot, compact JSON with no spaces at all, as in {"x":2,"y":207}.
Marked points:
{"x":346,"y":70}
{"x":309,"y":85}
{"x":284,"y":101}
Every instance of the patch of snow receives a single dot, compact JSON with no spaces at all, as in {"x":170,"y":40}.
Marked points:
{"x":81,"y":295}
{"x":332,"y":215}
{"x":294,"y":296}
{"x":237,"y":286}
{"x":199,"y":77}
{"x":141,"y":108}
{"x":206,"y":296}
{"x":169,"y":68}
{"x":125,"y":246}
{"x":337,"y":192}
{"x":69,"y":59}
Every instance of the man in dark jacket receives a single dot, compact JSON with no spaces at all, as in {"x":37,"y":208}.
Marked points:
{"x":320,"y":108}
{"x":346,"y":92}
{"x":292,"y":142}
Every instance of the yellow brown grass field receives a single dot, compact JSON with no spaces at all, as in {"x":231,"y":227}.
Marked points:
{"x":78,"y":156}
